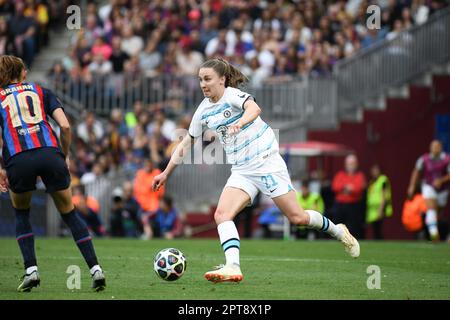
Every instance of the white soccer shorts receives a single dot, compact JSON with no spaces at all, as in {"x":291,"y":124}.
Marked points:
{"x":272,"y":185}
{"x":428,"y":192}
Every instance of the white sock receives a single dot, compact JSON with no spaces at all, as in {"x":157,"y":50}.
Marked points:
{"x":321,"y":223}
{"x":95,"y":268}
{"x":31,"y":269}
{"x":431,"y":222}
{"x":229,"y":239}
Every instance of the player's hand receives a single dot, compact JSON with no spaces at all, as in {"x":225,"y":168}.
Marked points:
{"x":234,"y":128}
{"x":68,"y":163}
{"x":437,"y":183}
{"x":159,"y":181}
{"x":4,"y":183}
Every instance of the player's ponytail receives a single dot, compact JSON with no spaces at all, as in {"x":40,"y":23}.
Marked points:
{"x":11,"y":68}
{"x":233,"y":77}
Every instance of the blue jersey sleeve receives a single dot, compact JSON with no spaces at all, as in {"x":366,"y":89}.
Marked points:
{"x":51,"y":102}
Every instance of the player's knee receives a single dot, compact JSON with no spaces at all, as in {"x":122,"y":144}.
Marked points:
{"x":64,"y":207}
{"x":222,"y":216}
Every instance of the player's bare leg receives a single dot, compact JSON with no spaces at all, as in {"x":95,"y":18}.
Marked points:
{"x":431,"y":219}
{"x":80,"y":233}
{"x":288,"y":204}
{"x":25,"y":239}
{"x":231,"y":202}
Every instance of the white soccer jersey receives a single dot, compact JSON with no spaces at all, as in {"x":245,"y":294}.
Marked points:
{"x":246,"y":150}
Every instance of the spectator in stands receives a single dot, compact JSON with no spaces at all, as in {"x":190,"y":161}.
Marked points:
{"x":89,"y":210}
{"x":58,"y":74}
{"x":6,"y":42}
{"x":125,"y":212}
{"x":90,"y":130}
{"x":348,"y":186}
{"x":131,"y":117}
{"x":217,"y":46}
{"x":23,"y":31}
{"x":150,"y":58}
{"x":92,"y":29}
{"x":101,"y":47}
{"x":158,"y":146}
{"x":140,"y":142}
{"x":131,"y":44}
{"x":166,"y":125}
{"x":145,"y":196}
{"x":91,"y":176}
{"x":398,"y":27}
{"x":379,"y":201}
{"x":100,"y":66}
{"x":322,"y":33}
{"x":372,"y":36}
{"x":166,"y":223}
{"x":39,"y":9}
{"x":312,"y":201}
{"x":188,"y":61}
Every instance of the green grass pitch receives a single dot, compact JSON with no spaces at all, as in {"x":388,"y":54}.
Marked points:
{"x":273,"y":269}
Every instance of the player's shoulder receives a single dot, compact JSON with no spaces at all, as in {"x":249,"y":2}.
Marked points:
{"x":204,"y":104}
{"x":235,"y":91}
{"x":38,"y":87}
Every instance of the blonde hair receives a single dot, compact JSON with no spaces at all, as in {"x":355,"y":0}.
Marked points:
{"x":11,"y":68}
{"x":233,"y":77}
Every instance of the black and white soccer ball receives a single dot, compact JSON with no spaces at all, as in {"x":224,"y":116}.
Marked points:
{"x":170,"y":264}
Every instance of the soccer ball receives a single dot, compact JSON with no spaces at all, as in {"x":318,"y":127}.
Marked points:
{"x":170,"y":264}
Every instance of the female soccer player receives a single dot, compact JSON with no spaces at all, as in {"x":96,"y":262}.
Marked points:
{"x":252,"y":149}
{"x":31,"y":149}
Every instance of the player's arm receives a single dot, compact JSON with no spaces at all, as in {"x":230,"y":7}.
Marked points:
{"x":415,"y":175}
{"x":64,"y":125}
{"x":177,"y":157}
{"x":252,"y":111}
{"x":444,"y":179}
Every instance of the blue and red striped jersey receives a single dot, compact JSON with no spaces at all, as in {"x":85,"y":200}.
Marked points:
{"x":25,"y":108}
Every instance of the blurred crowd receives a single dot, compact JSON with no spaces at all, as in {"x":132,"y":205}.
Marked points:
{"x":138,"y":143}
{"x":268,"y":40}
{"x":25,"y":26}
{"x":124,"y":141}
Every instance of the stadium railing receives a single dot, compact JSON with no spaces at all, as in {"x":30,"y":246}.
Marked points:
{"x":390,"y":63}
{"x":311,"y":102}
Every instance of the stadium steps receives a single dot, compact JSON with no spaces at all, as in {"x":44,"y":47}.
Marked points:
{"x":400,"y":92}
{"x":56,"y":50}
